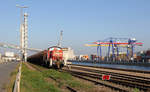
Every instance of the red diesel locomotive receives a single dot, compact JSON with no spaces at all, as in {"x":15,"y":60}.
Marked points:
{"x":52,"y":57}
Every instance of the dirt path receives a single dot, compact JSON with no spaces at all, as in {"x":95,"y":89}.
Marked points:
{"x":29,"y":66}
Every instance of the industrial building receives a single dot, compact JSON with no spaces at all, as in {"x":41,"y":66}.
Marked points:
{"x":68,"y":54}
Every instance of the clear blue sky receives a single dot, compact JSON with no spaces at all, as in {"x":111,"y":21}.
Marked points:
{"x":83,"y":21}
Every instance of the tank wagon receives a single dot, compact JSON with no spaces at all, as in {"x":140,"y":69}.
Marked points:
{"x":52,"y":57}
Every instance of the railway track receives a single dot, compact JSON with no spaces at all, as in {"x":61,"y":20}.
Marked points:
{"x":132,"y":78}
{"x":118,"y":82}
{"x":97,"y":82}
{"x":41,"y":70}
{"x":132,"y":81}
{"x":120,"y":69}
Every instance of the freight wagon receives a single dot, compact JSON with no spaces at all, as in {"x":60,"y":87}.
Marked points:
{"x":52,"y":57}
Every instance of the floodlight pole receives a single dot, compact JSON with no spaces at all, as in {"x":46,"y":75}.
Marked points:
{"x":23,"y":35}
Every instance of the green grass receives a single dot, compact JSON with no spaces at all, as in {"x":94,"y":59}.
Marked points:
{"x":56,"y":74}
{"x":65,"y":79}
{"x":33,"y":81}
{"x":50,"y":80}
{"x":136,"y":90}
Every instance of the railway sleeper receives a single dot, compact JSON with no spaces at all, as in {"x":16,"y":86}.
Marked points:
{"x":100,"y":83}
{"x":131,"y":77}
{"x":118,"y":81}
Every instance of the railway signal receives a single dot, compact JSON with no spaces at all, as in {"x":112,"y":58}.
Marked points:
{"x":106,"y":77}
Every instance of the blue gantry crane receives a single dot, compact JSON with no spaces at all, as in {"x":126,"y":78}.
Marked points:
{"x":114,"y":44}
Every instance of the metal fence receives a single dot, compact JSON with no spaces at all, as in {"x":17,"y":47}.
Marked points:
{"x":18,"y":78}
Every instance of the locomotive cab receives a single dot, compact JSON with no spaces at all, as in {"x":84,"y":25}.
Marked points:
{"x":55,"y":57}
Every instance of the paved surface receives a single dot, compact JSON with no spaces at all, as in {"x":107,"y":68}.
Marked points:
{"x":5,"y":71}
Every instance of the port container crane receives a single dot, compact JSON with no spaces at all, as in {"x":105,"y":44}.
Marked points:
{"x":114,"y":44}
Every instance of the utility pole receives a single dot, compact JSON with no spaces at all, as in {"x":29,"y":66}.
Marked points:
{"x":60,"y":40}
{"x":23,"y":32}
